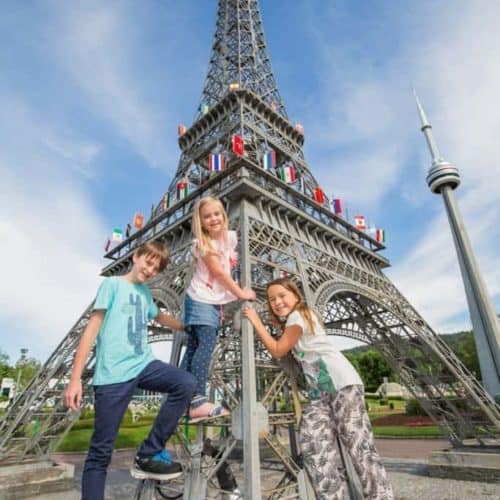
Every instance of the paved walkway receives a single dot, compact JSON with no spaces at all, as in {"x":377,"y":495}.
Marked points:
{"x":405,"y":460}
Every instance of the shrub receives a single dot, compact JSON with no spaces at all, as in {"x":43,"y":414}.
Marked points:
{"x":391,"y":405}
{"x":383,"y":402}
{"x":413,"y":408}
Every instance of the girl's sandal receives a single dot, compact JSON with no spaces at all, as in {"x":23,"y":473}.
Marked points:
{"x":216,"y":412}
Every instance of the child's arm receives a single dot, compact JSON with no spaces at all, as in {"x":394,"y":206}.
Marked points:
{"x":74,"y":392}
{"x":170,"y":321}
{"x":276,"y":347}
{"x":211,"y":260}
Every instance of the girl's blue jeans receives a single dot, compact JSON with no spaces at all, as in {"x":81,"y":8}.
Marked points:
{"x":110,"y":403}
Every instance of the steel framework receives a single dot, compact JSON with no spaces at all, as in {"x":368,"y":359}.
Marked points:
{"x":282,"y":231}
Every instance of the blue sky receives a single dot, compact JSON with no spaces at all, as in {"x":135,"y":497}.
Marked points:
{"x":91,"y":94}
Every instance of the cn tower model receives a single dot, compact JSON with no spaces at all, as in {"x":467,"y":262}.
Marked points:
{"x":443,"y":178}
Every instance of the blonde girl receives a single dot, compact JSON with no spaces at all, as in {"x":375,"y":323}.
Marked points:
{"x":214,"y":251}
{"x":336,"y":406}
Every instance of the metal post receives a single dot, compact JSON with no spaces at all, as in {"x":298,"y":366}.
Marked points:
{"x":251,"y":462}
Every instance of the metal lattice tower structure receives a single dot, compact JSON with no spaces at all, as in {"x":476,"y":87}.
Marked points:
{"x":282,"y":230}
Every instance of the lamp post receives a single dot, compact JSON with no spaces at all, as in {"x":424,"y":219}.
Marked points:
{"x":443,"y":178}
{"x":21,"y":363}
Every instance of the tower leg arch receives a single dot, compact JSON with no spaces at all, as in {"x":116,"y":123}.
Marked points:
{"x":447,"y":391}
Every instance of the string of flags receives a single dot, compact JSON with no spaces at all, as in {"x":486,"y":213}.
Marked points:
{"x":299,"y":128}
{"x":238,"y":145}
{"x":217,"y":162}
{"x":269,"y":160}
{"x":287,"y":173}
{"x":359,"y":222}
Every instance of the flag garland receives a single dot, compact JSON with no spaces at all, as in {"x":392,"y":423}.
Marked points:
{"x":337,"y":206}
{"x":269,"y":160}
{"x":359,"y":222}
{"x":117,"y":235}
{"x":216,"y":162}
{"x":138,"y":220}
{"x":319,"y":195}
{"x":287,"y":173}
{"x":380,"y":235}
{"x":182,"y":190}
{"x":299,"y":128}
{"x":165,"y":202}
{"x":238,"y":145}
{"x":181,"y":130}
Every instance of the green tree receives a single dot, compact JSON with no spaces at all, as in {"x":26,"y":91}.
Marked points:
{"x":27,"y":369}
{"x":372,"y":367}
{"x":5,"y":369}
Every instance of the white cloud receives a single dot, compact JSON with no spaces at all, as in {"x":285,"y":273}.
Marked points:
{"x":366,"y":141}
{"x":95,"y":44}
{"x":53,"y":236}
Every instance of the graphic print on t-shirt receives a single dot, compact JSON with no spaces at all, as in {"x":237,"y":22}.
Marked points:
{"x":136,"y":323}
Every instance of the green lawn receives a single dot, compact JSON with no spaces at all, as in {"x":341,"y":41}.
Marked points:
{"x":406,"y":431}
{"x":130,"y":435}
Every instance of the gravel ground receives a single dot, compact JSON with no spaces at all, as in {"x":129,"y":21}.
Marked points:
{"x":404,"y":459}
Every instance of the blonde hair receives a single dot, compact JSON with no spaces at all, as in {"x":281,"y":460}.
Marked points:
{"x":204,"y":241}
{"x":154,"y":250}
{"x":305,"y":311}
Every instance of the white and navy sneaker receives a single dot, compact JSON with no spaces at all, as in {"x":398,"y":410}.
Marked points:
{"x":160,"y":467}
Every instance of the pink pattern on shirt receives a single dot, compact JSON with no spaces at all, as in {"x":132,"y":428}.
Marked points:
{"x":204,"y":287}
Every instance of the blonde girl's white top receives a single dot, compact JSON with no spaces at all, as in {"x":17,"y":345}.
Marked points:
{"x":204,"y":287}
{"x":325,"y":368}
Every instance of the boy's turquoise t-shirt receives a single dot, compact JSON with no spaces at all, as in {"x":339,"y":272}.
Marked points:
{"x":122,"y":350}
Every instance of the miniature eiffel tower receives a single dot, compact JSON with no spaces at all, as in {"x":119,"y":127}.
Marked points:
{"x":243,"y":149}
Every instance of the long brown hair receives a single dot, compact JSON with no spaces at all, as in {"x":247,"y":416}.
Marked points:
{"x":301,"y":305}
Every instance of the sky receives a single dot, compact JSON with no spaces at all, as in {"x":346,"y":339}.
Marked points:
{"x":91,"y":94}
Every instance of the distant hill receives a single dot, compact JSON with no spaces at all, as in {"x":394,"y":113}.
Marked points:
{"x":368,"y":360}
{"x":453,"y":340}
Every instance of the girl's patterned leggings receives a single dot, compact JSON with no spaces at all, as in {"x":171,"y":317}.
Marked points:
{"x":342,"y":415}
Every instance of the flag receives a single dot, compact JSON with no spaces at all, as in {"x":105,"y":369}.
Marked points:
{"x":182,"y":190}
{"x":299,"y":128}
{"x":359,"y":222}
{"x":269,"y":160}
{"x":287,"y":173}
{"x":181,"y":129}
{"x":127,"y":231}
{"x":274,"y":106}
{"x":319,"y":195}
{"x":337,"y":206}
{"x":138,"y":220}
{"x":165,"y":202}
{"x":238,"y":145}
{"x":204,"y":108}
{"x":117,"y":234}
{"x":107,"y":245}
{"x":380,"y":235}
{"x":279,"y":273}
{"x":216,"y":162}
{"x":234,"y":86}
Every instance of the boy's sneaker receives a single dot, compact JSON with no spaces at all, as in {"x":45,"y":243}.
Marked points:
{"x":159,"y":466}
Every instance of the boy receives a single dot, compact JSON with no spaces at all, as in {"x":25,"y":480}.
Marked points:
{"x":124,"y":361}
